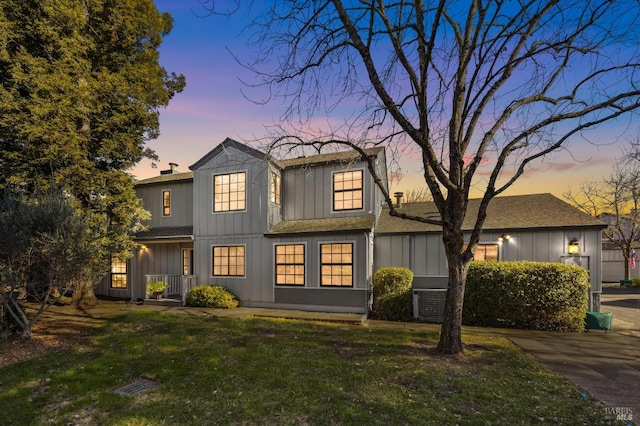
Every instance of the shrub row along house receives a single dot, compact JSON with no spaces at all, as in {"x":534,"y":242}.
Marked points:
{"x":308,"y":233}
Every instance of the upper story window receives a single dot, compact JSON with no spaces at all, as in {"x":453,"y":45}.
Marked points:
{"x":486,"y":252}
{"x":166,"y":202}
{"x":274,"y":188}
{"x":336,"y":264}
{"x":229,"y":192}
{"x":347,"y":190}
{"x":118,"y":272}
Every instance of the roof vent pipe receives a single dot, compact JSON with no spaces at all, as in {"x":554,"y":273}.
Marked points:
{"x":398,"y":196}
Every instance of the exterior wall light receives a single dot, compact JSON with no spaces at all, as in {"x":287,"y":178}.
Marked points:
{"x":574,"y":247}
{"x":143,"y":248}
{"x":504,"y":237}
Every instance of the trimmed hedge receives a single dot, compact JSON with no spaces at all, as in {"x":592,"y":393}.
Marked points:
{"x":392,"y":299}
{"x":211,"y":296}
{"x":529,"y":295}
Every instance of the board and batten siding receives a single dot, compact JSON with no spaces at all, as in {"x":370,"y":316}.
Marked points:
{"x":255,"y":285}
{"x":157,"y":259}
{"x":424,"y":253}
{"x":257,"y":288}
{"x":613,"y":266}
{"x":313,"y":295}
{"x":251,"y":220}
{"x":309,"y":191}
{"x":181,"y":203}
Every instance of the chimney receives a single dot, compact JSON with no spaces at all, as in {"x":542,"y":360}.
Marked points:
{"x":173,"y":168}
{"x":398,"y":196}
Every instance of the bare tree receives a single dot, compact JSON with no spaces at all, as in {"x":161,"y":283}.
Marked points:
{"x":616,"y":201}
{"x":417,"y":195}
{"x":479,"y":89}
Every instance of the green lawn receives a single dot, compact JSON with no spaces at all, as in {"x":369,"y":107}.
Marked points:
{"x":245,"y":372}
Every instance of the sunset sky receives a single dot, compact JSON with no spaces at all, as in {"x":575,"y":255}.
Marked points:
{"x":213,"y":107}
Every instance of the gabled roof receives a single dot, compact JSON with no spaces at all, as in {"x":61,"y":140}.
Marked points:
{"x":315,"y":226}
{"x":229,"y":143}
{"x":165,"y":233}
{"x":171,"y":177}
{"x":333,"y":157}
{"x":518,"y":212}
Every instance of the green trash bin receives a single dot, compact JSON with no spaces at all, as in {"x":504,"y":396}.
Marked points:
{"x":626,"y":282}
{"x":598,"y":321}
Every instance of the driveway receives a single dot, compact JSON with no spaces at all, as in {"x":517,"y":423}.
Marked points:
{"x":606,"y":364}
{"x":624,"y":303}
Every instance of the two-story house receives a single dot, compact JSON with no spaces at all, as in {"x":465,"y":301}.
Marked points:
{"x":308,"y":233}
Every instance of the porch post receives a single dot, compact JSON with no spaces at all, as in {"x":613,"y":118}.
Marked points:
{"x":132,"y":272}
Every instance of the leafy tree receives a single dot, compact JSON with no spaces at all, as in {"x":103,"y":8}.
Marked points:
{"x":616,"y":201}
{"x":478,"y":89}
{"x":45,"y":247}
{"x":80,"y":94}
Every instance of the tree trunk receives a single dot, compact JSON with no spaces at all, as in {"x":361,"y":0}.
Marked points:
{"x":83,"y":294}
{"x":451,"y":331}
{"x":458,"y":265}
{"x":627,"y":270}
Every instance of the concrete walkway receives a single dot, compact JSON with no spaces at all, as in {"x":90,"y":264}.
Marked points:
{"x":605,"y":364}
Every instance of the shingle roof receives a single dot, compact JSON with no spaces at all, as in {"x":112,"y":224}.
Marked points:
{"x":504,"y":213}
{"x":333,"y":157}
{"x":164,"y":233}
{"x":313,"y":226}
{"x":171,"y":177}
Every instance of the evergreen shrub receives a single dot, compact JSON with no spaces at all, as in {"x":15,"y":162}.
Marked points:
{"x":211,"y":296}
{"x":527,"y":295}
{"x":392,"y":299}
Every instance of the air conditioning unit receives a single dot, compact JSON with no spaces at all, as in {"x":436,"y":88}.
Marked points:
{"x":428,"y":304}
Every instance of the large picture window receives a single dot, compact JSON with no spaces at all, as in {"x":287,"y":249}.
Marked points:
{"x":229,"y":192}
{"x":336,"y":264}
{"x":118,"y":272}
{"x":290,"y":264}
{"x":228,"y":261}
{"x":166,"y":202}
{"x":347,"y":190}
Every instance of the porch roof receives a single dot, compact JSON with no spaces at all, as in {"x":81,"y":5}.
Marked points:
{"x":313,"y":226}
{"x":517,"y":212}
{"x":170,"y":177}
{"x":165,"y":233}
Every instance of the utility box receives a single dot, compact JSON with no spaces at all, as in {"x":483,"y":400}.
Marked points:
{"x":598,"y":321}
{"x":428,"y":304}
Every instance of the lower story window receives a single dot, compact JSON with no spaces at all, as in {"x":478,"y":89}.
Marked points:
{"x":290,"y":264}
{"x":187,"y":261}
{"x":336,"y":264}
{"x":486,"y":252}
{"x":228,"y":261}
{"x":118,"y":272}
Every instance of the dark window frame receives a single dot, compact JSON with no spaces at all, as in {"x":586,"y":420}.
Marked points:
{"x":118,"y":270}
{"x":351,"y":191}
{"x":225,"y":254}
{"x":291,"y":261}
{"x":336,"y":266}
{"x":166,"y":203}
{"x":227,"y":192}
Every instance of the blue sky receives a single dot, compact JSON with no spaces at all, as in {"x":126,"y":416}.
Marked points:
{"x":213,"y":106}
